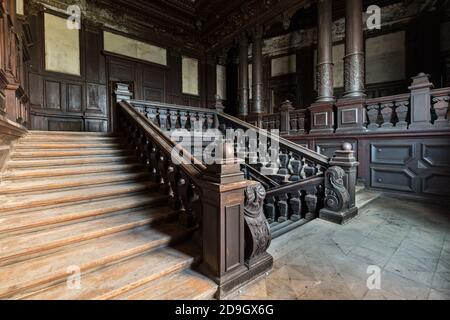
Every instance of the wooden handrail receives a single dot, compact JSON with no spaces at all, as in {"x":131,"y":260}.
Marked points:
{"x":309,"y":182}
{"x":290,"y":146}
{"x":195,"y":169}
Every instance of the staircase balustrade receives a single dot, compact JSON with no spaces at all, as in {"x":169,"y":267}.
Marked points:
{"x":233,"y":200}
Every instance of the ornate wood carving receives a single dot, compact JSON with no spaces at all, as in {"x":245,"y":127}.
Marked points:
{"x":257,"y":234}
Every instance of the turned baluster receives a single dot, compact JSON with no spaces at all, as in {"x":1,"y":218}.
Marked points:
{"x":210,"y":120}
{"x":183,"y":120}
{"x":309,"y":170}
{"x":283,"y":208}
{"x":152,"y":115}
{"x":269,"y":209}
{"x":163,"y":173}
{"x":296,"y":205}
{"x":186,"y":197}
{"x":154,"y":157}
{"x":386,"y":113}
{"x":402,"y":112}
{"x":293,"y":122}
{"x":311,"y":203}
{"x":162,"y":118}
{"x":296,"y":168}
{"x":440,"y":105}
{"x":284,"y":162}
{"x":372,"y":114}
{"x":173,"y":117}
{"x":202,"y":120}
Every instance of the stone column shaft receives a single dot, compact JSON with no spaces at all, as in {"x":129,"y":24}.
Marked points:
{"x":257,"y":70}
{"x":354,"y":70}
{"x":325,"y":85}
{"x":243,"y":76}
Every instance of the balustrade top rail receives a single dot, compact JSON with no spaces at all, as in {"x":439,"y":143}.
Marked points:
{"x":295,"y":187}
{"x":286,"y":144}
{"x":195,"y":169}
{"x":290,"y":146}
{"x":171,"y":106}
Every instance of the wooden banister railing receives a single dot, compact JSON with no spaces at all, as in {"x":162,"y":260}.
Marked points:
{"x":206,"y":196}
{"x":232,"y":189}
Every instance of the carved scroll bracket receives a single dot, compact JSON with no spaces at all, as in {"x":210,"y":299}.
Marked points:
{"x":340,"y":185}
{"x":257,"y":230}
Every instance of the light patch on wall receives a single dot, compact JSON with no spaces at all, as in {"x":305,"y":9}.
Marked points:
{"x":221,"y":81}
{"x":20,"y":7}
{"x":284,"y":65}
{"x":385,"y":58}
{"x":62,"y":46}
{"x":338,"y":71}
{"x":445,"y":36}
{"x":190,"y":75}
{"x":116,"y":43}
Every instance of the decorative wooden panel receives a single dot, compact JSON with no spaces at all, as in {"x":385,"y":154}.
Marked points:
{"x":75,"y":98}
{"x":52,"y":95}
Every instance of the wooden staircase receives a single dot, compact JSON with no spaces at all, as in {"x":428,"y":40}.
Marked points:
{"x":74,"y":202}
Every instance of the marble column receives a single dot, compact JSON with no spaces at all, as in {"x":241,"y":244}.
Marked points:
{"x":325,"y":85}
{"x":257,"y":70}
{"x":243,"y":75}
{"x":354,"y":70}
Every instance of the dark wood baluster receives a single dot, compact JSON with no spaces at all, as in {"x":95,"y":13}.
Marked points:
{"x":183,"y":120}
{"x":186,"y":197}
{"x":311,"y":203}
{"x":386,"y":113}
{"x":210,"y":121}
{"x":163,"y":173}
{"x":154,"y":156}
{"x":283,"y":208}
{"x":152,"y":115}
{"x":162,"y":118}
{"x":296,"y":166}
{"x":173,"y":119}
{"x":269,"y":209}
{"x":294,"y":122}
{"x":173,"y":176}
{"x":284,"y":162}
{"x":296,"y":205}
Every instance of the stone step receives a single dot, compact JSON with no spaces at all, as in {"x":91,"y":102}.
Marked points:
{"x":71,"y":182}
{"x":12,"y":204}
{"x":363,"y":198}
{"x":287,"y":226}
{"x":17,"y":174}
{"x":69,"y":162}
{"x":24,"y":246}
{"x":46,"y":218}
{"x":54,"y":153}
{"x":185,"y":285}
{"x":111,"y":281}
{"x":30,"y":146}
{"x":25,"y":277}
{"x":70,"y":133}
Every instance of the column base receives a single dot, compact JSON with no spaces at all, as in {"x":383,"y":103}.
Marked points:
{"x":338,"y":217}
{"x":351,"y":115}
{"x":322,"y":118}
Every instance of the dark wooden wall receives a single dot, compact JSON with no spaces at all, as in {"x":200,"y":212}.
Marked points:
{"x":413,"y":164}
{"x":72,"y":103}
{"x":13,"y":97}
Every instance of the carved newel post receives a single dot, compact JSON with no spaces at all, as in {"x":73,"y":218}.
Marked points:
{"x":340,"y":187}
{"x":223,"y":232}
